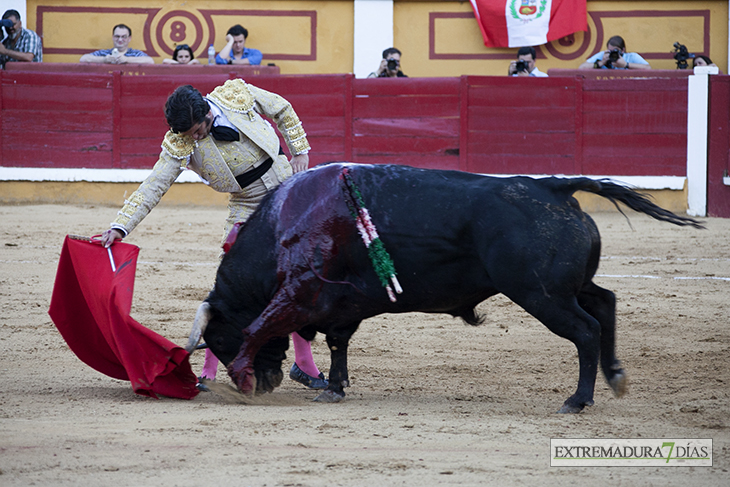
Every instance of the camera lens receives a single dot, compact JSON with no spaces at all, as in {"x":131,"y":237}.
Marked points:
{"x":392,"y":64}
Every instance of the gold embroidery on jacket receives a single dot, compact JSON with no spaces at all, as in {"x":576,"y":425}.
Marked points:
{"x":234,"y":95}
{"x":179,"y":146}
{"x":130,"y":207}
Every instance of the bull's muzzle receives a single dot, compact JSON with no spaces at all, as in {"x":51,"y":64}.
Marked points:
{"x":202,"y":317}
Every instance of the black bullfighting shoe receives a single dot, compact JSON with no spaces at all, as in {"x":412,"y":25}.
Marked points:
{"x":298,"y":375}
{"x":202,"y":387}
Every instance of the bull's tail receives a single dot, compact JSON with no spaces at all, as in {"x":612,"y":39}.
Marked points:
{"x":635,"y":200}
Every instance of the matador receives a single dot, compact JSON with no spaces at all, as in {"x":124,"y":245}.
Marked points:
{"x":224,"y":138}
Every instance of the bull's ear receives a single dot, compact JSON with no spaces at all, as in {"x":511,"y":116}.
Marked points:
{"x":202,"y":318}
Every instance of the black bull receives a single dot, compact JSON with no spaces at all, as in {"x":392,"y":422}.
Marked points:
{"x":455,"y":239}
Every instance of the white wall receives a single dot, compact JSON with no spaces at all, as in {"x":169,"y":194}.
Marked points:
{"x":373,"y":34}
{"x":18,"y":5}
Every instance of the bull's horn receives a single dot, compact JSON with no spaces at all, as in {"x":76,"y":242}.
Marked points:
{"x":202,"y":317}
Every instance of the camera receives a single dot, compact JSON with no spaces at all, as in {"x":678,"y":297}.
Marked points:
{"x":681,"y":54}
{"x":392,"y":64}
{"x":521,"y":65}
{"x":614,"y":55}
{"x":7,"y":23}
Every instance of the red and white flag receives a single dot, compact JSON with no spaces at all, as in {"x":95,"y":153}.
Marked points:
{"x":518,"y":23}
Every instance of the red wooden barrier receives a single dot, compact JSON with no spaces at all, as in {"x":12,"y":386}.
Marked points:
{"x":414,"y":123}
{"x":517,"y":126}
{"x":58,"y":120}
{"x":479,"y":124}
{"x":635,"y":127}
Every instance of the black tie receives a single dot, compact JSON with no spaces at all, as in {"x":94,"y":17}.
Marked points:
{"x":223,"y":133}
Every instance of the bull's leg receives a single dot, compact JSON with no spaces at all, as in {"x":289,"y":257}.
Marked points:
{"x":565,"y":318}
{"x":280,"y":318}
{"x":338,"y":378}
{"x":601,"y":304}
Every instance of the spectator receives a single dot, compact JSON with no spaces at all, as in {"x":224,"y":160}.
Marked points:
{"x":700,"y":60}
{"x":389,"y":65}
{"x":20,"y":44}
{"x":235,"y":50}
{"x":121,"y":53}
{"x":615,"y":57}
{"x":225,"y":139}
{"x":182,"y":55}
{"x":527,"y":55}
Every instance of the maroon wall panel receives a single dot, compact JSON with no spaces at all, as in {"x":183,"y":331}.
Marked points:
{"x":521,"y":126}
{"x":513,"y":92}
{"x":513,"y":119}
{"x":506,"y":164}
{"x":718,"y":150}
{"x":56,"y":120}
{"x":413,"y":123}
{"x":635,"y":127}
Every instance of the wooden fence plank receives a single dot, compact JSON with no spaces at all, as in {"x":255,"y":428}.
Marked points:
{"x":519,"y":164}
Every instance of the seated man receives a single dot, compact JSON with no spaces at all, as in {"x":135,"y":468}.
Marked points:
{"x":235,"y":51}
{"x":20,"y":44}
{"x":389,"y":65}
{"x":525,"y":64}
{"x":121,"y":53}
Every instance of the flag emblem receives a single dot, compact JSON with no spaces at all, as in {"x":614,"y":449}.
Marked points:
{"x":527,"y":10}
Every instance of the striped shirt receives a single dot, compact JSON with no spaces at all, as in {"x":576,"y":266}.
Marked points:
{"x":27,"y":41}
{"x":130,"y":52}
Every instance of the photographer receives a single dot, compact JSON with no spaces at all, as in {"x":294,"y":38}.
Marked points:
{"x":525,"y":64}
{"x":19,"y":44}
{"x":615,"y":57}
{"x":389,"y":65}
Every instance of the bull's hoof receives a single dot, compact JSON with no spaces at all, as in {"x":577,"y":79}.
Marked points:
{"x":268,"y":380}
{"x":569,"y":408}
{"x":619,"y":383}
{"x":330,"y":396}
{"x":244,"y":378}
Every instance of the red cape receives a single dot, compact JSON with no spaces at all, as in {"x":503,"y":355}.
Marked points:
{"x":90,"y":307}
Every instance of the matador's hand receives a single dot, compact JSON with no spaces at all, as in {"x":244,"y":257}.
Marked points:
{"x":299,"y":163}
{"x":109,"y":236}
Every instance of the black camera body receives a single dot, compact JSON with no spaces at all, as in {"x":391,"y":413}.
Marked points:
{"x":681,"y":55}
{"x":613,"y":55}
{"x":392,"y":64}
{"x":521,"y":65}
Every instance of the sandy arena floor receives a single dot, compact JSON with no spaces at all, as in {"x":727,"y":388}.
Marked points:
{"x":432,"y":402}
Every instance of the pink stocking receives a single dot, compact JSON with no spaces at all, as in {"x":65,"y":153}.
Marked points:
{"x":303,"y":355}
{"x":210,"y":366}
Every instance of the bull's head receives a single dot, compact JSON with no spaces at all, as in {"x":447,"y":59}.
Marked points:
{"x":225,"y":341}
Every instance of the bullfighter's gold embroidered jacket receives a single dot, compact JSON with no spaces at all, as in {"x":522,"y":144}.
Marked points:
{"x":218,"y":163}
